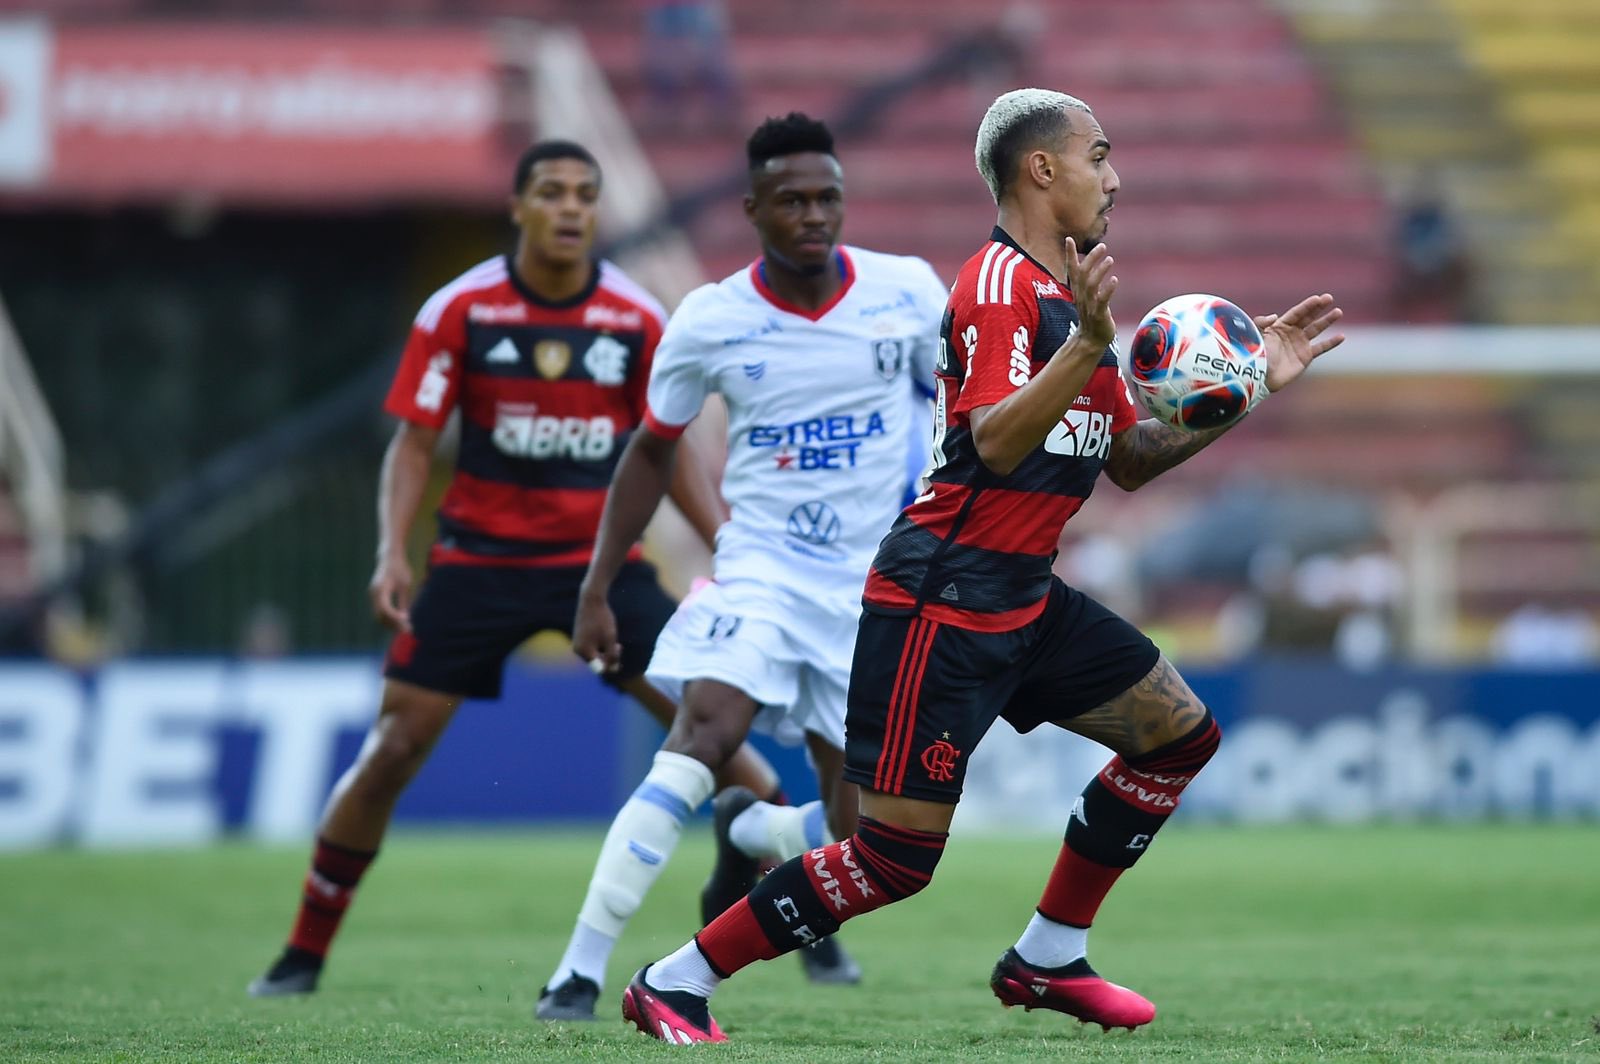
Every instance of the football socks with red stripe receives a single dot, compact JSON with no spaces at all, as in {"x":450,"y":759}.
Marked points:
{"x":810,"y":896}
{"x":1116,"y":817}
{"x":329,"y":887}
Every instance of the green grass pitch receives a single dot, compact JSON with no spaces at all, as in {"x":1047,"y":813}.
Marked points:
{"x":1257,"y":944}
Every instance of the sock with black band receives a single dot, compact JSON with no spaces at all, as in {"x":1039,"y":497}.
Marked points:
{"x":805,"y":899}
{"x":330,"y":886}
{"x":1111,"y":826}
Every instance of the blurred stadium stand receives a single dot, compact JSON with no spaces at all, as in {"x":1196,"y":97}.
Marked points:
{"x":1542,"y":55}
{"x":1263,"y":145}
{"x":1239,"y":172}
{"x":33,"y":530}
{"x":212,"y":316}
{"x":1496,"y":102}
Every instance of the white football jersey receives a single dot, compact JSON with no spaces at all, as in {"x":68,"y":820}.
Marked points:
{"x":823,"y":410}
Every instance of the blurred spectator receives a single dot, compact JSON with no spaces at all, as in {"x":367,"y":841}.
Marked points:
{"x":1277,"y":613}
{"x":1102,"y":565}
{"x":73,"y":639}
{"x":265,"y":633}
{"x":1545,"y":638}
{"x":687,"y":55}
{"x":1358,"y":588}
{"x":1241,"y":627}
{"x":1341,"y":603}
{"x":1435,"y":269}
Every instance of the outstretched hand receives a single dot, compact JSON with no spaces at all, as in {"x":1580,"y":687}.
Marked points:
{"x":1092,"y":285}
{"x":1296,"y":337}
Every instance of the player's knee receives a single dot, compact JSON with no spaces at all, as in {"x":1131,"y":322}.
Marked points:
{"x":710,"y":730}
{"x":392,"y":756}
{"x":409,"y":723}
{"x":899,"y":861}
{"x":1213,"y":735}
{"x":1185,"y":755}
{"x":392,"y":762}
{"x":709,"y":746}
{"x":843,"y":813}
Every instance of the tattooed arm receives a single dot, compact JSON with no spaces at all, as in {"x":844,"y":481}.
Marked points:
{"x":1150,"y":448}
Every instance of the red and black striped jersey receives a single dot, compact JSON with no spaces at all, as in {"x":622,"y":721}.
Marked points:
{"x":549,"y":394}
{"x":974,"y":550}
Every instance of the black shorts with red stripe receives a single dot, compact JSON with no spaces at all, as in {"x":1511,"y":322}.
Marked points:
{"x":467,"y":620}
{"x":922,"y":693}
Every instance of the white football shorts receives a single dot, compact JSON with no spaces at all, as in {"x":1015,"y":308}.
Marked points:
{"x":790,"y":654}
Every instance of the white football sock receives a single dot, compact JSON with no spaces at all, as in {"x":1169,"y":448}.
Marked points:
{"x":783,"y":831}
{"x":642,"y":837}
{"x":684,"y":969}
{"x":587,"y":953}
{"x":1047,"y":944}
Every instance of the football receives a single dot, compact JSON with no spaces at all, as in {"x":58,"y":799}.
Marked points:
{"x":1197,"y":362}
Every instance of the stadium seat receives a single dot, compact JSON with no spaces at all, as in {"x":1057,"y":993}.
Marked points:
{"x":1238,"y":175}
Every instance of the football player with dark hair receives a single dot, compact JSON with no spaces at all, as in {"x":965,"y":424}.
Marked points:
{"x":823,"y":355}
{"x":545,"y":352}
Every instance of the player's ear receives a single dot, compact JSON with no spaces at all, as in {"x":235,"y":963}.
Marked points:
{"x":1040,"y":168}
{"x":750,"y":207}
{"x":514,"y":208}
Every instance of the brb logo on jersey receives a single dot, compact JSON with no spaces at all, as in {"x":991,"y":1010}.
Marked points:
{"x":1081,"y":434}
{"x":818,"y":442}
{"x":522,"y":432}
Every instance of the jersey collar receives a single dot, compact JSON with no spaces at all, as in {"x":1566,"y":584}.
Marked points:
{"x":847,"y":273}
{"x":1000,"y":236}
{"x":540,"y":301}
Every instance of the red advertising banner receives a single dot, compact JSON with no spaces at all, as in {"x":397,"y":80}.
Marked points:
{"x":250,"y":114}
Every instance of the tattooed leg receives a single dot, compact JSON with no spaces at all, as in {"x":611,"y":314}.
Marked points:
{"x":1162,"y":736}
{"x":1153,"y":712}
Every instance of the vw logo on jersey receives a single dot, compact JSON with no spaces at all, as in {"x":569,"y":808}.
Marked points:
{"x":814,"y":523}
{"x":888,"y":356}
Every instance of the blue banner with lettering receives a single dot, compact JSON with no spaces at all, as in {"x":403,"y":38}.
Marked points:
{"x":182,"y":751}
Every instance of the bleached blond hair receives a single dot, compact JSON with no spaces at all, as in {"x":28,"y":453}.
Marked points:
{"x":1018,"y":117}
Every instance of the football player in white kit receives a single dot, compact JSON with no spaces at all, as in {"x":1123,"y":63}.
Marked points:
{"x":822,"y":354}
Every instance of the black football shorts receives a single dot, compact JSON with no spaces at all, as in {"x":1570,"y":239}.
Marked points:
{"x":467,"y":620}
{"x":922,"y":694}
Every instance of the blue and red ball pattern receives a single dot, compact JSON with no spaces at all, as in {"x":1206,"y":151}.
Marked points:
{"x":1197,"y":362}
